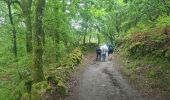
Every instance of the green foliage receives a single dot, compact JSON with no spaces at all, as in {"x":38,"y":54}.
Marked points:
{"x":167,"y":54}
{"x":62,"y":89}
{"x":98,"y":12}
{"x":25,"y":96}
{"x":151,"y":74}
{"x":88,"y":47}
{"x":13,"y":78}
{"x":137,"y":49}
{"x":72,"y":59}
{"x":147,"y":50}
{"x":139,"y":27}
{"x":38,"y":89}
{"x":143,"y":41}
{"x":163,"y":21}
{"x":59,"y":74}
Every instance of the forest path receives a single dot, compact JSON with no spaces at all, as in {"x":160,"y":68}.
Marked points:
{"x":103,"y":81}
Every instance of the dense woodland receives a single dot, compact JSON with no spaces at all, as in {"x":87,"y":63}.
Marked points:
{"x":42,"y":42}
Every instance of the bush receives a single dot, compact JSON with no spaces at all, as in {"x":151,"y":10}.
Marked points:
{"x":167,"y":54}
{"x":38,"y":89}
{"x":62,"y":88}
{"x":88,"y":47}
{"x":151,"y":49}
{"x":163,"y":21}
{"x":57,"y":75}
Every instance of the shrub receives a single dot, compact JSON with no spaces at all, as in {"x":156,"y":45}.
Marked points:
{"x":57,"y":75}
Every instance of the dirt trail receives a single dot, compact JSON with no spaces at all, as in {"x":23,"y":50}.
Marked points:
{"x":102,"y":81}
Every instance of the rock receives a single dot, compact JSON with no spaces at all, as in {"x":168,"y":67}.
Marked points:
{"x":62,"y":89}
{"x":38,"y":89}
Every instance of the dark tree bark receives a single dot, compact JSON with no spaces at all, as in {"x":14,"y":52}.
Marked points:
{"x":84,"y":38}
{"x":98,"y":39}
{"x":90,"y":39}
{"x":9,"y":2}
{"x":37,"y":66}
{"x":98,"y":36}
{"x":85,"y":33}
{"x":43,"y":38}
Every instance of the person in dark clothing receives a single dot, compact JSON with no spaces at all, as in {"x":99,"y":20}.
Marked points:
{"x":98,"y":53}
{"x":110,"y":50}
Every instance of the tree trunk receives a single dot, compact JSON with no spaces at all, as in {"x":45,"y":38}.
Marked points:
{"x":111,"y":40}
{"x":85,"y":33}
{"x":28,"y":34}
{"x":84,"y":38}
{"x":90,"y":39}
{"x":26,"y":9}
{"x":13,"y":28}
{"x":43,"y":37}
{"x":98,"y":39}
{"x":64,"y":6}
{"x":37,"y":64}
{"x":98,"y":36}
{"x":56,"y":41}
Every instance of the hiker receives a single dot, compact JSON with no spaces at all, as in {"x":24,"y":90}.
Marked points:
{"x":98,"y":53}
{"x":104,"y":52}
{"x":110,"y":50}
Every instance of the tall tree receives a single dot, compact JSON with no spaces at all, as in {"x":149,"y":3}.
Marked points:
{"x":26,"y":9}
{"x":37,"y":66}
{"x":25,"y":6}
{"x":9,"y":2}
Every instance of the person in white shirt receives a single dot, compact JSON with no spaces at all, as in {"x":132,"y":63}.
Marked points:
{"x":104,"y":52}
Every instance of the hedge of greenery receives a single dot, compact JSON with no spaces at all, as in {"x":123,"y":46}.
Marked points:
{"x":57,"y":76}
{"x":154,"y":42}
{"x":146,"y":49}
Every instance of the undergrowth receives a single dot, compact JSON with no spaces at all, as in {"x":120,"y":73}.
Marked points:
{"x":146,"y":49}
{"x":59,"y":62}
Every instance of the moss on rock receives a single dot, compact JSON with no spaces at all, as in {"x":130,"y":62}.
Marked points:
{"x":62,"y":88}
{"x":38,"y":89}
